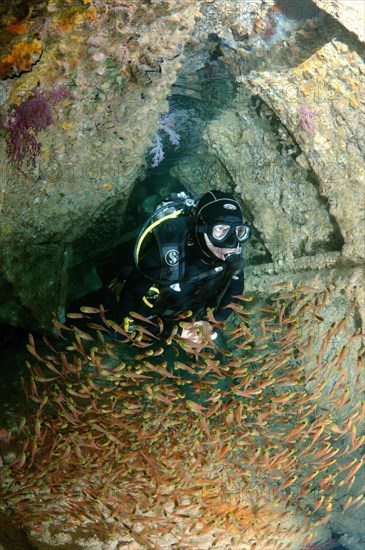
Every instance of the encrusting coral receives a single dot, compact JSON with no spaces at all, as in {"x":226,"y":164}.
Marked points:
{"x":169,"y":445}
{"x":21,"y":58}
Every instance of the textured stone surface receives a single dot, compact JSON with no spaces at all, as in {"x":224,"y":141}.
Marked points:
{"x":286,"y":208}
{"x":350,"y":13}
{"x":301,"y":181}
{"x":58,"y":217}
{"x":329,"y":86}
{"x":288,"y":143}
{"x":92,"y":157}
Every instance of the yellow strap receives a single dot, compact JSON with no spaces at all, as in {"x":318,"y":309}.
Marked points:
{"x":126,"y":324}
{"x":145,"y":300}
{"x":152,"y":226}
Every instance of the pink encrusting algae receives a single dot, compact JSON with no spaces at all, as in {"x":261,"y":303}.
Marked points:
{"x":26,"y":120}
{"x":306,"y":118}
{"x":176,"y":443}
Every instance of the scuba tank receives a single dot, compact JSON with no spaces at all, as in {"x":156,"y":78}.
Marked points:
{"x":169,"y":226}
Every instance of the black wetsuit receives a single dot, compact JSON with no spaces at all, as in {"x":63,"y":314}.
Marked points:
{"x":203,"y":286}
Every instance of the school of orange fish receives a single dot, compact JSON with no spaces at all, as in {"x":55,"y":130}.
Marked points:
{"x":187,"y":440}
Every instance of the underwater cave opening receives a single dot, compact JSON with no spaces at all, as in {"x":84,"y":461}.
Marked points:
{"x":197,"y":98}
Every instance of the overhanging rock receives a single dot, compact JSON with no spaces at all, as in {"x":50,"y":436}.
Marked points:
{"x":350,"y":13}
{"x":321,"y":103}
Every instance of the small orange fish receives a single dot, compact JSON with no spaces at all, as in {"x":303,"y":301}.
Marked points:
{"x":255,"y":457}
{"x":323,"y":520}
{"x":195,"y":407}
{"x":304,"y":288}
{"x":244,"y":297}
{"x":354,"y":470}
{"x":318,"y":503}
{"x":310,"y":477}
{"x":184,"y":315}
{"x":21,"y":461}
{"x":286,"y":483}
{"x":359,"y":442}
{"x":281,"y":284}
{"x":359,"y":502}
{"x":295,"y":431}
{"x":353,"y":435}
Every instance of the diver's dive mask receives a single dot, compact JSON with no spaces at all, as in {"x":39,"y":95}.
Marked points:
{"x":224,"y":235}
{"x":219,"y":221}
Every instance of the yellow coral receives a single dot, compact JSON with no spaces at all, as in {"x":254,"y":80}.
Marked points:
{"x":21,"y":58}
{"x":75,"y":17}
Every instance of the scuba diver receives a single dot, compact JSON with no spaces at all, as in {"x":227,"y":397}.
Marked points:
{"x":188,"y":261}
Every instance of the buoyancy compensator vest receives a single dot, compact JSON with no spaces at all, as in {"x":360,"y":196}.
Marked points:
{"x":168,"y":228}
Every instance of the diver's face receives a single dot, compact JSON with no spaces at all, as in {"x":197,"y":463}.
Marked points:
{"x":221,"y":253}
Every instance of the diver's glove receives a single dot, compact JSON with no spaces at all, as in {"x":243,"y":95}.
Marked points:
{"x":196,"y":332}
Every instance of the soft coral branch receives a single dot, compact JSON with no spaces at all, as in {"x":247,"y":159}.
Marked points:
{"x":166,"y":124}
{"x":306,"y":119}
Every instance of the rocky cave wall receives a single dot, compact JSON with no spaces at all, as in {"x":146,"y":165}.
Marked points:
{"x":287,"y":141}
{"x":60,"y":210}
{"x":289,"y":145}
